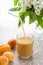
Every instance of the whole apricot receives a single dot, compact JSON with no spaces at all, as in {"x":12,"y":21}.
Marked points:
{"x":4,"y":48}
{"x":3,"y":60}
{"x":12,"y":43}
{"x":9,"y":55}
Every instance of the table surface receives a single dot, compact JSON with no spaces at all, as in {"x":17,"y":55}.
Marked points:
{"x":36,"y":59}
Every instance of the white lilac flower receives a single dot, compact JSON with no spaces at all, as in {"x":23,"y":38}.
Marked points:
{"x":38,"y":9}
{"x":42,"y":5}
{"x":23,"y":5}
{"x":23,"y":8}
{"x":28,"y":3}
{"x":37,"y":4}
{"x":22,"y":1}
{"x":37,"y":12}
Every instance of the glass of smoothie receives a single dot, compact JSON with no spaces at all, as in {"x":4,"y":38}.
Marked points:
{"x":25,"y":45}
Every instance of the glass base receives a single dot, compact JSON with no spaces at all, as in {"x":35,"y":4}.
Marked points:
{"x":25,"y":57}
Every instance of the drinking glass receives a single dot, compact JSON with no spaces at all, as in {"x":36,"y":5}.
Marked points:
{"x":25,"y":45}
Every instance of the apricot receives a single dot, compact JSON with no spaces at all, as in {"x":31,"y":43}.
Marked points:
{"x":9,"y":55}
{"x":4,"y":48}
{"x":12,"y":43}
{"x":3,"y":60}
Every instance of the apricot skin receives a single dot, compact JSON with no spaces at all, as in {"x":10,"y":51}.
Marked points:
{"x":12,"y":43}
{"x":4,"y":48}
{"x":9,"y":55}
{"x":3,"y":60}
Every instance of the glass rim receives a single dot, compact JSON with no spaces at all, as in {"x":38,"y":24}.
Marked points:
{"x":26,"y":34}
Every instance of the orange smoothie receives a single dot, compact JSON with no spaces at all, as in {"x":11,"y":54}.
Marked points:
{"x":25,"y":47}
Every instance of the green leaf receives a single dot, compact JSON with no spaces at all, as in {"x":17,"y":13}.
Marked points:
{"x":39,"y":19}
{"x":15,"y":9}
{"x":21,"y":14}
{"x":28,"y":9}
{"x":26,"y":13}
{"x":30,"y":20}
{"x":19,"y":4}
{"x":41,"y":13}
{"x":19,"y":24}
{"x":32,"y":17}
{"x":15,"y":2}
